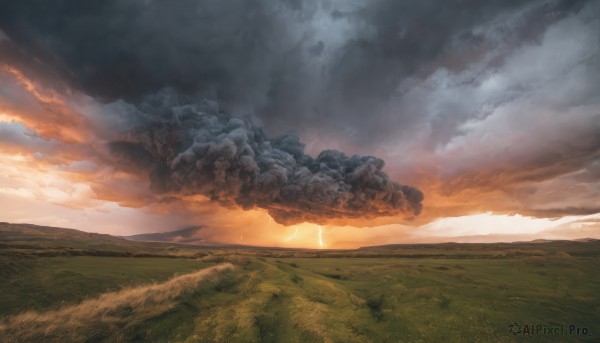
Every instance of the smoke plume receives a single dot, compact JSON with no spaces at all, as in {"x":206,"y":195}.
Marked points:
{"x":189,"y":147}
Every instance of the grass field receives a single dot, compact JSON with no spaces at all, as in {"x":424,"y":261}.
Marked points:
{"x":430,"y":293}
{"x":42,"y":283}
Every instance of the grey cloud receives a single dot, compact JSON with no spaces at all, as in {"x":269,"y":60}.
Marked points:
{"x":294,"y":64}
{"x":195,"y":149}
{"x":3,"y":36}
{"x":15,"y":135}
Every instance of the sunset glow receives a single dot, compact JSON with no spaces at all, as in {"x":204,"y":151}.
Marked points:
{"x":299,"y":171}
{"x":478,"y":142}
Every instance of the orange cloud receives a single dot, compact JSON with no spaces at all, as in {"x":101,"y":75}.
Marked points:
{"x":42,"y":109}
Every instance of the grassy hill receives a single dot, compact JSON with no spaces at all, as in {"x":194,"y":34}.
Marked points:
{"x":28,"y":239}
{"x":401,"y":293}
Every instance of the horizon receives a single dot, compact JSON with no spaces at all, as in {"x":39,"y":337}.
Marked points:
{"x":318,"y":245}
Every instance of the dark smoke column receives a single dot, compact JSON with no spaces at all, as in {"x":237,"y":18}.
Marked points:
{"x":191,"y":149}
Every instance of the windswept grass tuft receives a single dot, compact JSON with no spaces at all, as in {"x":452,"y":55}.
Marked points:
{"x":105,"y":316}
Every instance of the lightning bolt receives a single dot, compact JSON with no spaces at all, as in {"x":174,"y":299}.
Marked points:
{"x":320,"y":233}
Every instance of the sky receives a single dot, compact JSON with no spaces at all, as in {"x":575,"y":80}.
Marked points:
{"x":321,"y":123}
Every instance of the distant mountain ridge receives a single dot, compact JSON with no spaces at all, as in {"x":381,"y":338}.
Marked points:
{"x":441,"y":244}
{"x":189,"y":235}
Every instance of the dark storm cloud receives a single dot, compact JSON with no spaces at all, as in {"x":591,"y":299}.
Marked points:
{"x":189,"y":148}
{"x":482,"y":96}
{"x":118,"y":49}
{"x":293,"y":63}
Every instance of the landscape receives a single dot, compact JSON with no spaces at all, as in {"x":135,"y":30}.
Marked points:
{"x":299,"y":171}
{"x":62,"y":285}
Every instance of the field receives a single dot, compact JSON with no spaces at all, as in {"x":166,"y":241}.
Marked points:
{"x":106,"y":289}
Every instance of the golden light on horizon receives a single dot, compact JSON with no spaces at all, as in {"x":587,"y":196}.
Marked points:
{"x":489,"y":223}
{"x":307,"y":235}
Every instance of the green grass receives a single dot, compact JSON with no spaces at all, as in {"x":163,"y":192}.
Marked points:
{"x":432,"y":293}
{"x":464,"y":299}
{"x":42,"y":283}
{"x":372,"y":300}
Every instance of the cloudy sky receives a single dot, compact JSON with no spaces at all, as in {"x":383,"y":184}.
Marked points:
{"x":321,"y":123}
